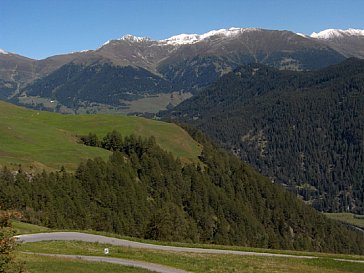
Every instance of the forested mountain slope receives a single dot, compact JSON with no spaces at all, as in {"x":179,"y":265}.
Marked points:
{"x":302,"y":129}
{"x":73,"y":84}
{"x":145,"y":192}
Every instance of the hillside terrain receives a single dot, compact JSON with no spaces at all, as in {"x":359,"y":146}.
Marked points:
{"x":186,"y":262}
{"x":302,"y":129}
{"x":38,"y":140}
{"x":352,"y":219}
{"x":131,"y":68}
{"x":269,"y":97}
{"x":214,"y":258}
{"x":145,"y":192}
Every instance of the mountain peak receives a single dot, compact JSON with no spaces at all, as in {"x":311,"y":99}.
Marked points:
{"x":3,"y":52}
{"x":184,"y":39}
{"x":129,"y":38}
{"x":337,"y":33}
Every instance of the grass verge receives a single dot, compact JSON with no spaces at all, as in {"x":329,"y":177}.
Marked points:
{"x":41,"y":264}
{"x":200,"y":263}
{"x":25,"y":228}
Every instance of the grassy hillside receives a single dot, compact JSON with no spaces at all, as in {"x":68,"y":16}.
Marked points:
{"x":192,"y":262}
{"x":46,"y":140}
{"x":223,"y":202}
{"x":353,"y":219}
{"x":26,"y":228}
{"x":38,"y":264}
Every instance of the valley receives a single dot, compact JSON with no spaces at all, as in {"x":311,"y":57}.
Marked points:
{"x":145,"y":105}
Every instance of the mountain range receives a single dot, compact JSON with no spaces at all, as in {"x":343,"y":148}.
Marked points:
{"x":178,"y":66}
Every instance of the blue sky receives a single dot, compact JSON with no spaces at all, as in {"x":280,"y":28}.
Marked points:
{"x":41,"y":28}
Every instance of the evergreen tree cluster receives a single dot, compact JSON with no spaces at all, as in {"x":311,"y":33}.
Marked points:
{"x":144,"y":191}
{"x":302,"y":129}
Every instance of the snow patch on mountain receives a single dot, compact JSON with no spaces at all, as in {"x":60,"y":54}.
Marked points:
{"x":302,"y":34}
{"x":337,"y":33}
{"x":106,"y":43}
{"x":132,"y":38}
{"x":2,"y":51}
{"x":184,"y":39}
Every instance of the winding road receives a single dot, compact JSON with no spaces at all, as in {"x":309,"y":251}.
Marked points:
{"x":84,"y":237}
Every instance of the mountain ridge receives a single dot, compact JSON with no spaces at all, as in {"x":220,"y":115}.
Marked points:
{"x":336,"y":33}
{"x":188,"y":62}
{"x":188,"y":38}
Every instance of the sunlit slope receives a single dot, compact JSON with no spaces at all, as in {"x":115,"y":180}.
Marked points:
{"x":47,"y":140}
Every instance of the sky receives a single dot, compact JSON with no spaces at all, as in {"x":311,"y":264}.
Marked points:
{"x":42,"y":28}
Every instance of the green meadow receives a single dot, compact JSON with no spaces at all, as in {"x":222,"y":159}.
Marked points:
{"x":43,"y":140}
{"x":26,"y":228}
{"x":350,"y":218}
{"x":200,"y":263}
{"x":192,"y":262}
{"x":39,"y":264}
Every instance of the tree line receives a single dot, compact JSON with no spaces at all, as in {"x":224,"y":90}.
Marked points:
{"x":145,"y":192}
